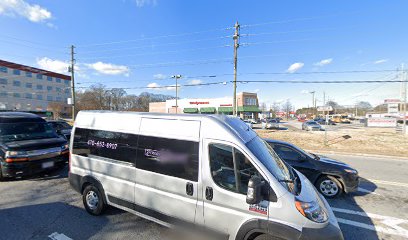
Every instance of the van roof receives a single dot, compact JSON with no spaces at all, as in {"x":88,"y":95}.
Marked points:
{"x":14,"y":117}
{"x":242,"y":131}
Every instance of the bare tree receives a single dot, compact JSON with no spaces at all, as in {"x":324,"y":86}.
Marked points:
{"x":57,"y":109}
{"x":287,"y":107}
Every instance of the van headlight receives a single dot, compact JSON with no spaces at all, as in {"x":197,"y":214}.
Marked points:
{"x":15,"y":153}
{"x":311,"y":210}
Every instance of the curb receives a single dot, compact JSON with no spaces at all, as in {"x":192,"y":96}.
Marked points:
{"x":357,"y":154}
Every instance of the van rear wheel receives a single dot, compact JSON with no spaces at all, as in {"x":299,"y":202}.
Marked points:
{"x":93,"y":200}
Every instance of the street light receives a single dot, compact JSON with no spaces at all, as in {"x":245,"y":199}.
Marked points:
{"x":176,"y":77}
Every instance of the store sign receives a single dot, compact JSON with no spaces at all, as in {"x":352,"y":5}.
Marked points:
{"x":392,"y":107}
{"x":392,"y":101}
{"x":225,"y":105}
{"x":381,"y":122}
{"x":325,"y":108}
{"x":198,"y":103}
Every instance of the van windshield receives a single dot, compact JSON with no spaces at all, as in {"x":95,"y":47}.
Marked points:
{"x":273,"y":163}
{"x":25,"y":131}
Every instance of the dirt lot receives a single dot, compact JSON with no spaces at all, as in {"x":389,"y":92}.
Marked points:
{"x":381,"y":141}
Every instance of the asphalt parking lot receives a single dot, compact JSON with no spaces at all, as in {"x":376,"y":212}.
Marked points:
{"x":45,"y":207}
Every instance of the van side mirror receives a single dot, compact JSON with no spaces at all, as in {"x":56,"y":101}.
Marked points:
{"x":254,"y":193}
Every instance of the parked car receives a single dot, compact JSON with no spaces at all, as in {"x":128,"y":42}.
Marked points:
{"x":62,"y":128}
{"x":253,"y":121}
{"x":270,"y":123}
{"x":329,"y":176}
{"x":248,"y":122}
{"x":28,"y":145}
{"x":208,"y":170}
{"x":311,"y":126}
{"x":322,"y":121}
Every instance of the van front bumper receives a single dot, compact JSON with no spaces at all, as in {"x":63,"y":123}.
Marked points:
{"x":21,"y":169}
{"x":330,"y":232}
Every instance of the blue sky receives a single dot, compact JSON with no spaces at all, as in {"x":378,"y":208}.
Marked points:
{"x":140,"y":43}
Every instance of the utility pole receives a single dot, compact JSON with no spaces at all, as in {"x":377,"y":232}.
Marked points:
{"x":404,"y":79}
{"x":236,"y":46}
{"x":313,"y":101}
{"x":72,"y":70}
{"x":176,"y":77}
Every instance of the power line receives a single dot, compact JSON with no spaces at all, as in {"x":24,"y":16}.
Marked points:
{"x":288,"y":32}
{"x":325,"y":82}
{"x":293,"y":20}
{"x":273,"y":42}
{"x":153,"y":53}
{"x":154,"y":45}
{"x":152,"y":38}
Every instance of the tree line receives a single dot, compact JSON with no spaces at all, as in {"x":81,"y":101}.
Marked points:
{"x":98,"y":97}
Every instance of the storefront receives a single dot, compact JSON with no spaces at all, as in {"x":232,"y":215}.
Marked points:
{"x":247,"y":106}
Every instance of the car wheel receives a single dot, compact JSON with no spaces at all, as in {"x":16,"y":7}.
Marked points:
{"x":329,"y":186}
{"x":93,"y":200}
{"x":1,"y":175}
{"x":266,"y":237}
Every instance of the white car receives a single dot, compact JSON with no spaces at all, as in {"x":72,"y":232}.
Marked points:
{"x":270,"y":123}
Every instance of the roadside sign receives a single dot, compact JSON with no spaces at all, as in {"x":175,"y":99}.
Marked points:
{"x":324,"y":108}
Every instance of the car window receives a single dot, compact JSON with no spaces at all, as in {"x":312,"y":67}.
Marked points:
{"x":230,"y":169}
{"x":286,"y":153}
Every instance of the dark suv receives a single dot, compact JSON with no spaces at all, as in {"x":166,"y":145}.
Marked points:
{"x":62,"y":128}
{"x":28,"y":145}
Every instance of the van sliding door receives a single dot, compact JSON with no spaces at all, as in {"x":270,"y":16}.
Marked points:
{"x":167,"y":169}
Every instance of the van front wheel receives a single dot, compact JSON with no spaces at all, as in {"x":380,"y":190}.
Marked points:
{"x":266,"y":237}
{"x":93,"y":200}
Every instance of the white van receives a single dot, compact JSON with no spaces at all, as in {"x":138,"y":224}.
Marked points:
{"x":188,"y":170}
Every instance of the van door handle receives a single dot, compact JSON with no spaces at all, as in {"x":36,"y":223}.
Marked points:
{"x":209,"y":193}
{"x":189,"y":189}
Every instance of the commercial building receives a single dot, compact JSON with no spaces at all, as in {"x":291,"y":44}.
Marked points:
{"x":24,"y":88}
{"x":247,"y":106}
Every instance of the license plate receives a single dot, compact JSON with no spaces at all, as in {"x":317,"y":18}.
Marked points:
{"x":47,"y":164}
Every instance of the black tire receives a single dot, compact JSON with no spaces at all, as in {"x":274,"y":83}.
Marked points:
{"x":266,"y":237}
{"x":329,"y":187}
{"x":1,"y":175}
{"x":93,"y":200}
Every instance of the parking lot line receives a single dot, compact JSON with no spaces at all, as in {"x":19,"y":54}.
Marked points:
{"x":363,"y":190}
{"x":398,"y":184}
{"x":391,"y":224}
{"x":59,"y":236}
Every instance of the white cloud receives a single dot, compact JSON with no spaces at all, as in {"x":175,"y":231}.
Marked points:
{"x":380,"y":61}
{"x":32,"y":12}
{"x":159,"y":76}
{"x":53,"y":65}
{"x":142,"y":3}
{"x":158,"y":87}
{"x":324,"y":62}
{"x":109,"y":68}
{"x":195,"y":82}
{"x":257,"y":90}
{"x":304,"y":91}
{"x":295,"y":67}
{"x":153,"y":86}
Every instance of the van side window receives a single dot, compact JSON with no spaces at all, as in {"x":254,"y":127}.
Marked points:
{"x":222,"y":166}
{"x":113,"y":145}
{"x":172,"y":157}
{"x":230,"y":169}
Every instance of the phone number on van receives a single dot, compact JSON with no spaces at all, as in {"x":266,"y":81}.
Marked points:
{"x":101,"y":144}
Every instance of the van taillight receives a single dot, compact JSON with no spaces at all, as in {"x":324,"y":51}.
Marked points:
{"x":69,"y":162}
